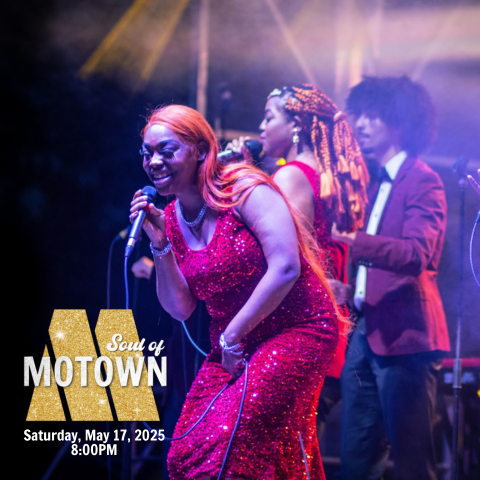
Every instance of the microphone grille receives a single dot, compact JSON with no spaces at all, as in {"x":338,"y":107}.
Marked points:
{"x":254,"y":147}
{"x":150,"y":192}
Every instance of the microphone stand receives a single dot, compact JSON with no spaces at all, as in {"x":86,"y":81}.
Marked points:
{"x":460,"y":167}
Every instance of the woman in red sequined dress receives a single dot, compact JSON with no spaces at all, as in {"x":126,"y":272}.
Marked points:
{"x":324,"y":177}
{"x":230,"y":239}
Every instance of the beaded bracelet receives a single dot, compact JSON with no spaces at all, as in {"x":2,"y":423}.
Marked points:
{"x":161,"y":253}
{"x":225,"y":347}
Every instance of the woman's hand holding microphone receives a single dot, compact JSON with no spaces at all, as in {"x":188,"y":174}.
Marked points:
{"x":154,"y":223}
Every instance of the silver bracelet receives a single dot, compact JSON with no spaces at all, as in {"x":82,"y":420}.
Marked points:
{"x":161,"y":253}
{"x":227,"y":348}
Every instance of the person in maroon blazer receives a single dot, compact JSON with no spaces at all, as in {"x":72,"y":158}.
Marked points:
{"x":389,"y":378}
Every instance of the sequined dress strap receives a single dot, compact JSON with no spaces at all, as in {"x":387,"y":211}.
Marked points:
{"x":175,"y":235}
{"x":312,"y":176}
{"x":174,"y":232}
{"x":322,"y":221}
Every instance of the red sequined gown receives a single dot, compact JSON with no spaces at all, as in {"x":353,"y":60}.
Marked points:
{"x":335,"y":254}
{"x":290,"y":352}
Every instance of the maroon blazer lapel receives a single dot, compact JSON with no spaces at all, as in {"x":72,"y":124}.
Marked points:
{"x":402,"y":172}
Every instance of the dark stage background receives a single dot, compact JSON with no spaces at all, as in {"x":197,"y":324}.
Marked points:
{"x":79,"y":77}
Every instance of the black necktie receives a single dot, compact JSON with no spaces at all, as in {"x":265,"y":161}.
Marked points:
{"x":383,"y":175}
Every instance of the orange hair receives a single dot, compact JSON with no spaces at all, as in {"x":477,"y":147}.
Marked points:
{"x":343,"y":174}
{"x":225,"y":186}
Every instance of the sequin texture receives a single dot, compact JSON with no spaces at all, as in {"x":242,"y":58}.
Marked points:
{"x":334,"y":255}
{"x":290,"y":352}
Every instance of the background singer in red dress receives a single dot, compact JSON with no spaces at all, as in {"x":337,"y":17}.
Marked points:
{"x":324,"y":177}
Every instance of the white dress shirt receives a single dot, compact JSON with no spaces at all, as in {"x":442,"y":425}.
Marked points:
{"x":392,"y":167}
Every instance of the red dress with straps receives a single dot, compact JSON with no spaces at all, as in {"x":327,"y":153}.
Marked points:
{"x":290,"y":352}
{"x":335,"y":254}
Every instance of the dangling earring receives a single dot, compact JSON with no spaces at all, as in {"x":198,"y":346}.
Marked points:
{"x":296,"y":138}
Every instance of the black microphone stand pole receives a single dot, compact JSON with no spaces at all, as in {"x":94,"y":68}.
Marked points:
{"x":460,"y":167}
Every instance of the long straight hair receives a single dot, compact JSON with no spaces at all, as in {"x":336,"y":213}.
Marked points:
{"x":225,"y":186}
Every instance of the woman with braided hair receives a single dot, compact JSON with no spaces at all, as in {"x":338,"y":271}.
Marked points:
{"x":324,"y":177}
{"x":302,"y":125}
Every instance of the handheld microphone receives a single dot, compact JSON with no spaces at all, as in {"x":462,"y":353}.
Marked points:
{"x":253,"y":146}
{"x":137,"y":224}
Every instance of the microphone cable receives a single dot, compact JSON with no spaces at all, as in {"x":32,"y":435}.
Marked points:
{"x":242,"y":402}
{"x":237,"y":422}
{"x":191,"y":340}
{"x":125,"y":278}
{"x":109,"y":269}
{"x":196,"y":423}
{"x":471,"y":250}
{"x":304,"y":455}
{"x":120,"y":236}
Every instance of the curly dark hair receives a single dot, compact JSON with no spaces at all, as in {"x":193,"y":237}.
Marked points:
{"x":402,"y":104}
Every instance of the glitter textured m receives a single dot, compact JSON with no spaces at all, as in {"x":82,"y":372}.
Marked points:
{"x":71,"y":338}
